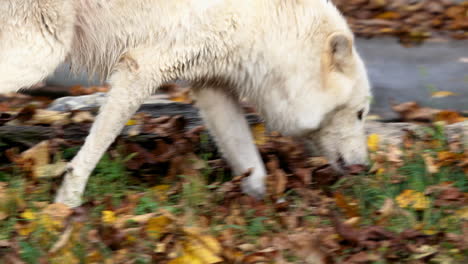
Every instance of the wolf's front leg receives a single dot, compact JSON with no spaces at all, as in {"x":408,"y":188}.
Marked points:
{"x":127,"y":94}
{"x":226,"y":122}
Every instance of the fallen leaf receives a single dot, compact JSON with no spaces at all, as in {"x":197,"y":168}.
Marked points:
{"x":431,"y":167}
{"x":48,"y":117}
{"x":138,"y":219}
{"x":349,"y":207}
{"x":450,"y":117}
{"x":82,"y":117}
{"x":108,"y":217}
{"x":57,"y":212}
{"x":462,"y":213}
{"x":373,"y":142}
{"x":199,"y":249}
{"x":388,"y":15}
{"x":424,"y":252}
{"x":363,"y":257}
{"x":131,"y":122}
{"x":412,"y":111}
{"x":51,"y":170}
{"x":28,"y":215}
{"x":413,"y":199}
{"x":259,"y":134}
{"x":156,"y":226}
{"x":442,"y":94}
{"x":387,"y":209}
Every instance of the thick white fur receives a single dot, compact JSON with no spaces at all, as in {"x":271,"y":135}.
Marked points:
{"x":294,"y":59}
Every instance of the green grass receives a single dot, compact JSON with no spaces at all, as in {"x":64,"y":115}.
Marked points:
{"x":196,"y":199}
{"x":371,"y":190}
{"x":111,"y":179}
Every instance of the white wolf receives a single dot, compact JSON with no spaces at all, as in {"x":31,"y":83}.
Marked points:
{"x":293,"y":59}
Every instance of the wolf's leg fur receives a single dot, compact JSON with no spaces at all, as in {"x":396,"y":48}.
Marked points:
{"x":226,"y":122}
{"x":128,"y":92}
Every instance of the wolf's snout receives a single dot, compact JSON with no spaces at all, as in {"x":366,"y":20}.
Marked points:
{"x":350,"y":168}
{"x":356,"y":169}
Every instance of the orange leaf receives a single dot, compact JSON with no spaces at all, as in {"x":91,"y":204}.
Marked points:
{"x":351,"y":209}
{"x":388,"y":15}
{"x":450,"y":117}
{"x":442,"y":94}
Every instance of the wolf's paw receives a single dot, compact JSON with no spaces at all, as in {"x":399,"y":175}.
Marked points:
{"x":69,"y":197}
{"x":254,"y":187}
{"x":71,"y":190}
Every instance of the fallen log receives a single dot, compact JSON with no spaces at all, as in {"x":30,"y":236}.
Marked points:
{"x":391,"y":133}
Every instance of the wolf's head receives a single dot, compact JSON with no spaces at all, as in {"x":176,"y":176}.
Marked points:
{"x":323,"y":93}
{"x":35,"y":36}
{"x":331,"y":117}
{"x":340,"y":134}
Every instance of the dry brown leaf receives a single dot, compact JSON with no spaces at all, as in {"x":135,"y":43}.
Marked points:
{"x":57,"y":211}
{"x":48,"y":117}
{"x":412,"y":111}
{"x":349,"y":207}
{"x":431,"y":167}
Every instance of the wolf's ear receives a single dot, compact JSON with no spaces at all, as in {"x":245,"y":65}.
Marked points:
{"x":340,"y":51}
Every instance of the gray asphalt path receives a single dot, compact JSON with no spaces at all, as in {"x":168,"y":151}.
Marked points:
{"x":411,"y":74}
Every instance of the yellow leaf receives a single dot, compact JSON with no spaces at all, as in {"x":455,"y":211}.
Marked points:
{"x":373,"y":142}
{"x":442,"y":94}
{"x":66,"y":257}
{"x":50,"y":224}
{"x":161,"y":188}
{"x":205,"y":247}
{"x":25,"y":230}
{"x":199,"y":249}
{"x":108,"y":217}
{"x":94,"y":257}
{"x":413,"y":199}
{"x":186,"y":259}
{"x":156,"y":226}
{"x":131,"y":122}
{"x":28,"y":215}
{"x":462,"y":213}
{"x":180,"y":99}
{"x":259,"y":134}
{"x":160,"y":248}
{"x":430,"y":232}
{"x":160,"y":192}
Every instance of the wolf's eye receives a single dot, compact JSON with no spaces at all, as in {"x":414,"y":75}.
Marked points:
{"x":360,"y":114}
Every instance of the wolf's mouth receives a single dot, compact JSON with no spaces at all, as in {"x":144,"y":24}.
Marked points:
{"x":340,"y":162}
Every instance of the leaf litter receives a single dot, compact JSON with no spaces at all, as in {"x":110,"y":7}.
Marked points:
{"x":179,"y":203}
